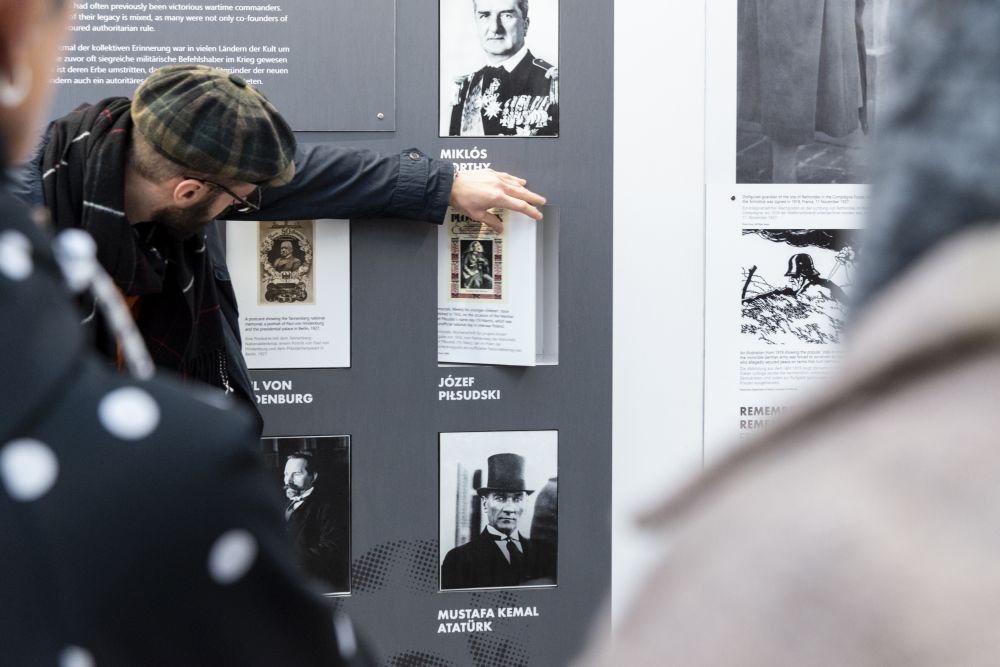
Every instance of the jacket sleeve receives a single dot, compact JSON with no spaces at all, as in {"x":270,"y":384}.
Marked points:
{"x":26,"y":178}
{"x":337,"y":182}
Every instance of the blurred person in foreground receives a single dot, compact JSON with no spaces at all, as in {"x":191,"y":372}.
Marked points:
{"x":862,"y":530}
{"x":138,"y":528}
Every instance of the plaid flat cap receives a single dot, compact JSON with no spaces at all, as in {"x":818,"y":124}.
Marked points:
{"x":214,"y":123}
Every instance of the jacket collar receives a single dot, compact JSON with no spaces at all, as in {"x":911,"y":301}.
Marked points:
{"x":952,"y":296}
{"x":510,"y":64}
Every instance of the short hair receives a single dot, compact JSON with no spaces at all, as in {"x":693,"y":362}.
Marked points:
{"x":305,"y":456}
{"x":521,"y":4}
{"x":157,"y":168}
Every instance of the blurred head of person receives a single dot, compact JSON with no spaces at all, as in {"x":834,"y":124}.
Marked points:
{"x":937,"y":150}
{"x":31,"y":32}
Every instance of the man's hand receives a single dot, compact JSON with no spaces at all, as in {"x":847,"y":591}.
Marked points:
{"x":475,"y":192}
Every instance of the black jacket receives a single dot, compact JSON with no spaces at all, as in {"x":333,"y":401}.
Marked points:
{"x":480,"y":564}
{"x":319,"y":529}
{"x":330,"y":182}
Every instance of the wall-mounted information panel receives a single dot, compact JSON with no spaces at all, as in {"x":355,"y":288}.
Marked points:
{"x":326,"y":65}
{"x":794,"y":95}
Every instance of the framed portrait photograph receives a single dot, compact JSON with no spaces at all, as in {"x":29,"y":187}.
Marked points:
{"x":314,"y":474}
{"x":499,"y":68}
{"x":499,"y":523}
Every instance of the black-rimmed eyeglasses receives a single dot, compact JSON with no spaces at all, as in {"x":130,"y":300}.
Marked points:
{"x":241,"y":205}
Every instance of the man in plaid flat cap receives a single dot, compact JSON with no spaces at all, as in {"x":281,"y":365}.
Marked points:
{"x":196,"y":144}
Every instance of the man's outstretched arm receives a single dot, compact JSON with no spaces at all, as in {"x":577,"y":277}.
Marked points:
{"x":338,"y":182}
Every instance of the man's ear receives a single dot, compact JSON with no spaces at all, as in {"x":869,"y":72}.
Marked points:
{"x":191,"y":191}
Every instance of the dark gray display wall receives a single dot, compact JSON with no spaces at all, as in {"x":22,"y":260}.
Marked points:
{"x":388,"y":401}
{"x":287,"y":48}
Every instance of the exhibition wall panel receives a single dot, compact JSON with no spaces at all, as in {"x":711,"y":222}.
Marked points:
{"x":326,"y":65}
{"x":384,"y":412}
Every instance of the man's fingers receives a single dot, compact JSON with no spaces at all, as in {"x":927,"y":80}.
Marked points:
{"x":511,"y":178}
{"x":493,"y":222}
{"x":526,"y":194}
{"x":521,"y":206}
{"x":476,"y":192}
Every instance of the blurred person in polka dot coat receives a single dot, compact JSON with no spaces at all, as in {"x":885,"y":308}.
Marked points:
{"x":138,"y":528}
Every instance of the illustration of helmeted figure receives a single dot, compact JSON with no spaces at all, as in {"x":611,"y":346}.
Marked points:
{"x":802,"y":275}
{"x":476,"y":270}
{"x":515,"y":94}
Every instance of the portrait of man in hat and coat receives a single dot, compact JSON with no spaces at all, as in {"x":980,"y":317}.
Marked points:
{"x":500,"y":556}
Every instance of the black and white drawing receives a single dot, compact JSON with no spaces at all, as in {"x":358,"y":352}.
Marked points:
{"x":499,"y":509}
{"x":796,"y":284}
{"x":499,"y":74}
{"x":286,"y":262}
{"x":810,"y":75}
{"x":315,"y":475}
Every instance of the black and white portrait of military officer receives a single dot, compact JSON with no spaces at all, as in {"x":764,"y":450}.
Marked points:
{"x":488,"y":536}
{"x":497,"y":80}
{"x":286,"y":256}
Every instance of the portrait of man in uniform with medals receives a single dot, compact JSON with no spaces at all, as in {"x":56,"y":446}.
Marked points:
{"x":513,"y":92}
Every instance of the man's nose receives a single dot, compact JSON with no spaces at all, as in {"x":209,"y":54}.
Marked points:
{"x":497,"y":26}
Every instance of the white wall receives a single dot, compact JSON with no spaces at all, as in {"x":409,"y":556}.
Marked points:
{"x":659,"y":266}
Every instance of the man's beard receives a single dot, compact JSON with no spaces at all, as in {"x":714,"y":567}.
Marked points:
{"x":185,"y":222}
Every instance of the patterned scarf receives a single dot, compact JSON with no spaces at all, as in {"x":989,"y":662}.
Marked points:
{"x":83,"y":180}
